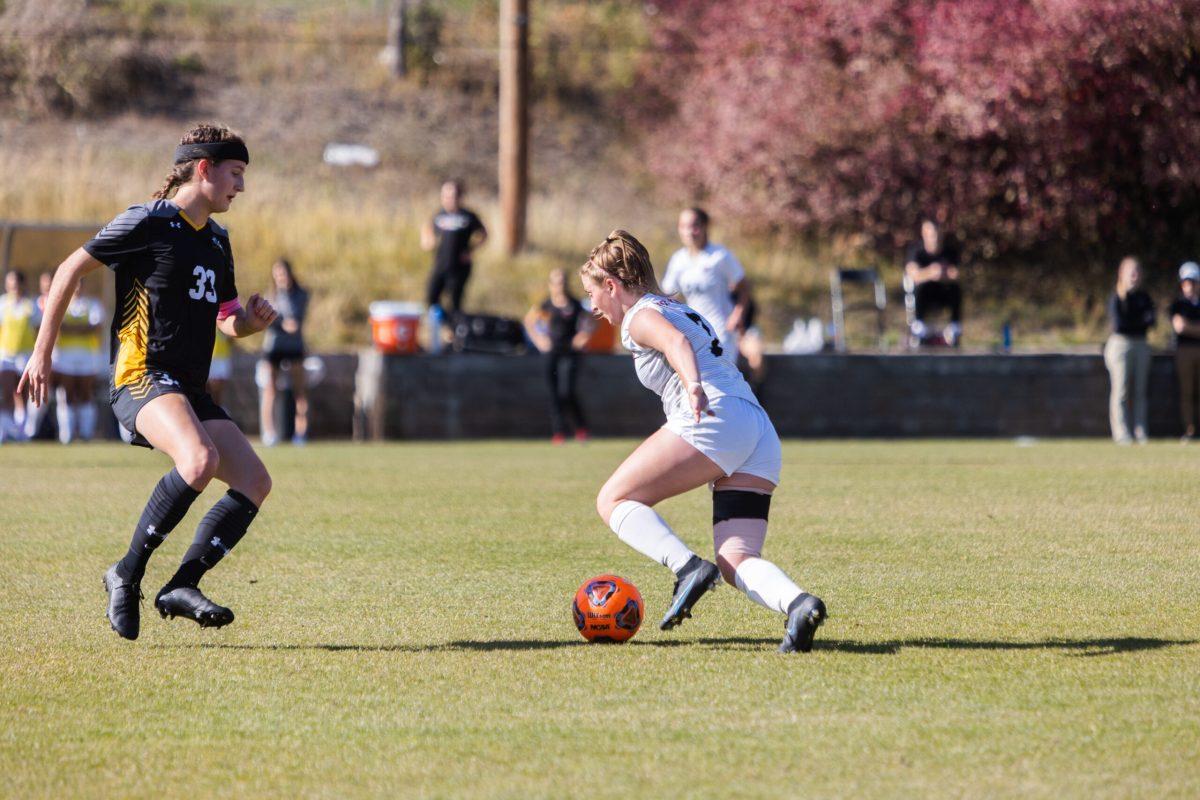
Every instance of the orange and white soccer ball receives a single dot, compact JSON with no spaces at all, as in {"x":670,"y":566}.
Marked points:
{"x":607,"y":608}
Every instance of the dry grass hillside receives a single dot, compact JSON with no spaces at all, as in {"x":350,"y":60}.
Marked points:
{"x":98,"y":92}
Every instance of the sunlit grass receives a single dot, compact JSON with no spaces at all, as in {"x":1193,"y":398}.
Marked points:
{"x":1004,"y":622}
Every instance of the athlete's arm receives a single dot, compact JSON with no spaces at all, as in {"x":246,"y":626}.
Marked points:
{"x":742,"y":290}
{"x":1184,"y":326}
{"x":540,"y":340}
{"x":241,"y":321}
{"x":586,"y":325}
{"x":652,"y":330}
{"x":36,"y":378}
{"x":478,"y":236}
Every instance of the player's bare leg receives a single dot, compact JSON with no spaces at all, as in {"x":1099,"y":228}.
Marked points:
{"x":663,"y":466}
{"x":740,"y":509}
{"x":168,"y":423}
{"x":240,"y":468}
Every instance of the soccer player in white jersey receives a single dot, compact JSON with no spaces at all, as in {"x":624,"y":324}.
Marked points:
{"x":716,"y":433}
{"x":711,"y":280}
{"x":76,"y":360}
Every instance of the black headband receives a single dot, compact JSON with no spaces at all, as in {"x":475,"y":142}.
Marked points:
{"x":217,"y":151}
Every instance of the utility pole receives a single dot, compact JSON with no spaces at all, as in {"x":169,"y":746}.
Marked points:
{"x":396,"y":51}
{"x":514,"y":122}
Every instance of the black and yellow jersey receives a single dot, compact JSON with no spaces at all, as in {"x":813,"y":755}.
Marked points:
{"x":172,"y":277}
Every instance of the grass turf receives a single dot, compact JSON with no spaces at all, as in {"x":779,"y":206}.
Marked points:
{"x":1005,"y":621}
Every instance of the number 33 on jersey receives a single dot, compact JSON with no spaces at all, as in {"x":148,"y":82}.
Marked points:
{"x":206,"y":285}
{"x":172,"y":276}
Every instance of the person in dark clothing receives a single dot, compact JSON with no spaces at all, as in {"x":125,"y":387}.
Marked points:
{"x":1126,"y":353}
{"x":452,"y":234}
{"x":560,"y":328}
{"x":1185,"y":321}
{"x":284,"y":351}
{"x":175,"y":285}
{"x":931,"y":270}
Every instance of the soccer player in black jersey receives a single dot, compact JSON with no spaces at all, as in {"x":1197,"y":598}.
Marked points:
{"x":175,"y":287}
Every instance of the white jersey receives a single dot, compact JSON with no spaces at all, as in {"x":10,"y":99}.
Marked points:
{"x":718,"y":375}
{"x":706,"y":280}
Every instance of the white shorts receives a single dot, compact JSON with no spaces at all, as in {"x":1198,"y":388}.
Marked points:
{"x":220,"y":370}
{"x":739,"y":437}
{"x":14,"y":363}
{"x":76,"y":361}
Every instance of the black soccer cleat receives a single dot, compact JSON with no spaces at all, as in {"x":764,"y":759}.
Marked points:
{"x":697,"y":577}
{"x":805,"y":615}
{"x":190,"y":602}
{"x":124,"y":603}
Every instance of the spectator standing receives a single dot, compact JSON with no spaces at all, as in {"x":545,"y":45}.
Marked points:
{"x":76,"y":361}
{"x":1127,"y":354}
{"x":560,"y":328}
{"x":711,"y":280}
{"x":283,"y":351}
{"x":19,"y":319}
{"x":1185,"y":320}
{"x":453,"y":234}
{"x":931,"y":269}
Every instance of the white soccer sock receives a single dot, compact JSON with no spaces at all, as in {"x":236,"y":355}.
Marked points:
{"x":87,"y":420}
{"x":66,"y":418}
{"x":33,"y":419}
{"x":639,"y":526}
{"x":766,"y":584}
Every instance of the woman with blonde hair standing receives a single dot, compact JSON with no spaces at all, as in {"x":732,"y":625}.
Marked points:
{"x":1127,"y":354}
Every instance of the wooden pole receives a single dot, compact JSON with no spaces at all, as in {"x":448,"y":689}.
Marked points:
{"x":398,"y":38}
{"x":514,"y":122}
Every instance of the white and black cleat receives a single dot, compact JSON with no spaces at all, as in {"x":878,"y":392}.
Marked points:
{"x":805,"y":615}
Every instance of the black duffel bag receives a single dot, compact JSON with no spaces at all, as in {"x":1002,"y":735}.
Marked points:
{"x":481,"y":333}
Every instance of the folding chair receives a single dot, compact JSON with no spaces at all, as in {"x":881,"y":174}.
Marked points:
{"x":838,"y":280}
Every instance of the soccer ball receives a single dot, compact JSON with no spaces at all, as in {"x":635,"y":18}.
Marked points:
{"x":607,"y":608}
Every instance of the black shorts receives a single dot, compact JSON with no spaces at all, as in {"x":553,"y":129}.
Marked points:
{"x":130,"y":399}
{"x":278,"y":358}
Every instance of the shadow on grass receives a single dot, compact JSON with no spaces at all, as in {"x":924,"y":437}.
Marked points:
{"x":468,"y":645}
{"x":1073,"y":647}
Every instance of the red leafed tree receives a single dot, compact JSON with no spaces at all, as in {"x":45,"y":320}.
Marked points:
{"x":1034,"y":128}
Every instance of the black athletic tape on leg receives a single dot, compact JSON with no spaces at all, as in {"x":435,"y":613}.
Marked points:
{"x":733,"y":504}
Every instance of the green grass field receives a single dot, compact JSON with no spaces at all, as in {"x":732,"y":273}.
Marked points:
{"x":1005,"y":621}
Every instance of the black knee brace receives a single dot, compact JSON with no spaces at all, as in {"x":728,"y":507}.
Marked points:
{"x":737,"y":504}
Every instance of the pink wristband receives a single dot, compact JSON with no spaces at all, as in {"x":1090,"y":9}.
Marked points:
{"x":228,"y":309}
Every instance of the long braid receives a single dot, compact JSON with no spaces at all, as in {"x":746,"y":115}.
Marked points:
{"x":180,"y":174}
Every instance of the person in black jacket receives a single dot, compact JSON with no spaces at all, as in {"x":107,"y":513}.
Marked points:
{"x":931,"y":270}
{"x":1185,"y":321}
{"x":1127,"y":354}
{"x":452,"y":234}
{"x":560,"y":328}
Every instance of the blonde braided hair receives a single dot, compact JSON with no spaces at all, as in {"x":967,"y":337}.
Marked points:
{"x":624,"y":259}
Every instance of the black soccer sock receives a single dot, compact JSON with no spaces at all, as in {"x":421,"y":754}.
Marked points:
{"x":222,"y":527}
{"x":168,"y":504}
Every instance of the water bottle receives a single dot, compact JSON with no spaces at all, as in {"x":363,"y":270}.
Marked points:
{"x":1006,"y":337}
{"x":434,"y":321}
